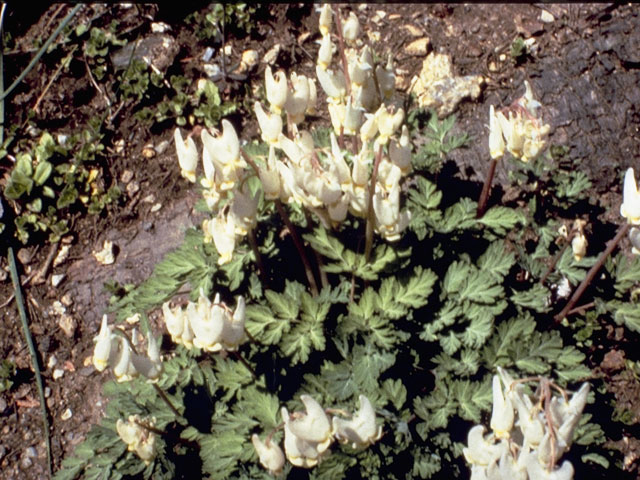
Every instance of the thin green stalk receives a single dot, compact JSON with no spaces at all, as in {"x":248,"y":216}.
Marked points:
{"x":42,"y":51}
{"x":592,"y":273}
{"x":15,"y":278}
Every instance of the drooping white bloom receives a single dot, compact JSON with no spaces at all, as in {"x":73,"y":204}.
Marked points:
{"x":387,"y":123}
{"x":361,"y":430}
{"x":277,"y":89}
{"x":207,"y":322}
{"x":221,"y":230}
{"x":386,"y":78}
{"x":291,"y":149}
{"x":336,"y":114}
{"x":270,"y":124}
{"x":102,"y":350}
{"x":269,"y":177}
{"x":298,"y":100}
{"x":187,"y":156}
{"x":233,"y":332}
{"x":269,"y":453}
{"x":630,"y":208}
{"x":325,"y":19}
{"x":313,"y":97}
{"x":400,"y":151}
{"x":479,"y":451}
{"x":332,"y":83}
{"x":634,"y":238}
{"x":299,"y":452}
{"x":369,"y":128}
{"x":352,"y":118}
{"x":502,"y":415}
{"x":313,"y":426}
{"x":149,"y":365}
{"x":496,"y":141}
{"x":243,"y":211}
{"x":351,"y":28}
{"x":123,"y":370}
{"x":325,"y":52}
{"x":138,"y":438}
{"x":579,"y":246}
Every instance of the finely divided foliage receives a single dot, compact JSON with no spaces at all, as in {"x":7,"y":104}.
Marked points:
{"x":351,"y":316}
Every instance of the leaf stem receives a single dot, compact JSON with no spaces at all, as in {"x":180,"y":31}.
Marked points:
{"x":166,"y":400}
{"x":486,"y":189}
{"x":592,"y":273}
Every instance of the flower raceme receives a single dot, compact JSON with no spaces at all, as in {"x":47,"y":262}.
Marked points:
{"x":211,"y":326}
{"x":309,"y":434}
{"x":138,"y":439}
{"x":546,"y":427}
{"x":113,"y":350}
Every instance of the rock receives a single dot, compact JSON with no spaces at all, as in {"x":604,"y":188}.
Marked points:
{"x":53,"y":361}
{"x":56,"y":279}
{"x":62,"y":255}
{"x":436,"y":87}
{"x":613,"y":361}
{"x":47,"y":392}
{"x":126,"y":176}
{"x":418,"y":47}
{"x":25,"y":462}
{"x":160,"y":27}
{"x":546,"y":17}
{"x":106,"y":255}
{"x":272,"y":55}
{"x":161,"y":147}
{"x":159,"y":49}
{"x":132,"y":188}
{"x":3,"y":407}
{"x":57,"y":373}
{"x":68,"y":325}
{"x":67,"y":414}
{"x":148,"y":151}
{"x":413,"y":30}
{"x":250,"y":59}
{"x":156,"y":207}
{"x":66,"y":300}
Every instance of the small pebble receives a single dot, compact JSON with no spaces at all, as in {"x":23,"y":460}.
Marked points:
{"x":68,"y":325}
{"x":66,"y":415}
{"x":47,"y":392}
{"x":149,"y":198}
{"x":156,"y":207}
{"x":25,"y":462}
{"x":53,"y":361}
{"x":57,"y":373}
{"x":62,"y":255}
{"x":57,"y":279}
{"x":159,"y":27}
{"x":132,"y":188}
{"x":161,"y":147}
{"x":31,"y":452}
{"x":148,"y":151}
{"x":3,"y":407}
{"x":126,"y":176}
{"x":546,"y":17}
{"x":66,"y":300}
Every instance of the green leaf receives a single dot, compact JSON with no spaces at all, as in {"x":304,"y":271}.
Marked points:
{"x":283,"y":305}
{"x":264,"y":326}
{"x":627,"y":272}
{"x":502,"y":219}
{"x":42,"y":173}
{"x":628,"y":314}
{"x":308,"y":334}
{"x":497,"y":260}
{"x":395,"y":392}
{"x":459,"y":216}
{"x":536,"y":298}
{"x":595,"y":458}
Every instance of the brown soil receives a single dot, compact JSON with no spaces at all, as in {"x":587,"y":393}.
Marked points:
{"x":584,"y":69}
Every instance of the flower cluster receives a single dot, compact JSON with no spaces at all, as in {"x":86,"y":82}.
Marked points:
{"x":225,"y":173}
{"x":522,"y":133}
{"x":210,"y":326}
{"x":115,"y":351}
{"x":308,"y":435}
{"x":544,"y":433}
{"x":138,"y":439}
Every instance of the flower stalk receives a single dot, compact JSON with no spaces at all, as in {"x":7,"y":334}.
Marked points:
{"x":486,"y":189}
{"x":592,"y":273}
{"x":370,"y":213}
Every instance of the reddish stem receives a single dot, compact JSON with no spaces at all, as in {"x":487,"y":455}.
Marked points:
{"x":592,"y":273}
{"x":486,"y":189}
{"x":370,"y":214}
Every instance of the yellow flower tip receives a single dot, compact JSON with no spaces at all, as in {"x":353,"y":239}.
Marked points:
{"x":189,"y":175}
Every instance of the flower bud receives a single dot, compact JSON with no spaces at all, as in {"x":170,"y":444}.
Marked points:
{"x":325,"y":19}
{"x":270,"y":124}
{"x":277,"y":89}
{"x":102,"y":350}
{"x":630,"y":208}
{"x":496,"y":142}
{"x":332,"y":83}
{"x":325,"y":52}
{"x":269,"y":453}
{"x":298,"y":100}
{"x":351,"y":28}
{"x":579,"y":246}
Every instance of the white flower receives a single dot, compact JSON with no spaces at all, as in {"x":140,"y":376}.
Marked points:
{"x":336,"y":114}
{"x":221,"y":229}
{"x":369,"y":128}
{"x":299,"y":452}
{"x":479,"y":451}
{"x":313,"y":426}
{"x":496,"y":140}
{"x":102,"y":350}
{"x":138,"y":438}
{"x":233,"y":332}
{"x":502,"y":415}
{"x":332,"y":83}
{"x":579,"y":246}
{"x":352,"y":118}
{"x":313,"y":97}
{"x":187,"y":156}
{"x":207,"y":322}
{"x":291,"y":149}
{"x":400,"y":151}
{"x":386,"y":78}
{"x":630,"y":208}
{"x":298,"y":100}
{"x":269,"y":177}
{"x":243,"y":211}
{"x":361,"y":430}
{"x":351,"y":28}
{"x":325,"y":19}
{"x":150,"y":365}
{"x":325,"y":52}
{"x":269,"y":453}
{"x":387,"y":123}
{"x":270,"y":124}
{"x":277,"y":89}
{"x":123,"y":369}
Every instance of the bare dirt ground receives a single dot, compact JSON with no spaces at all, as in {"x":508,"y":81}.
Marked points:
{"x":583,"y":66}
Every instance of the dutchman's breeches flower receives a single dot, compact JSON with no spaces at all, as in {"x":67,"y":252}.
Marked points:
{"x":496,"y":140}
{"x":502,"y":415}
{"x":270,"y":124}
{"x":361,"y":430}
{"x":630,"y":208}
{"x":269,"y":453}
{"x":277,"y":89}
{"x":298,"y":100}
{"x":187,"y":156}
